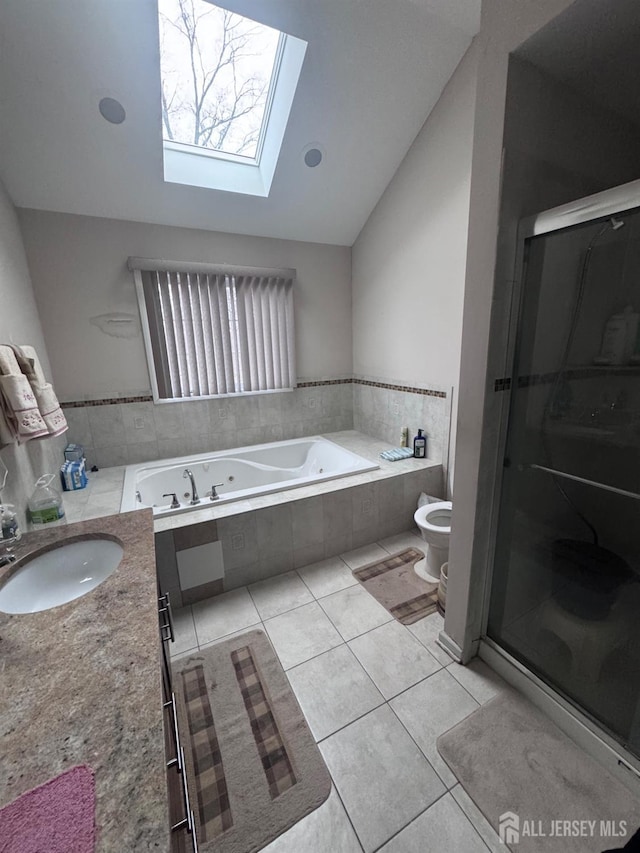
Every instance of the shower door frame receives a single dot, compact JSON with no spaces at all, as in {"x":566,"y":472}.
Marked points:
{"x":567,"y":715}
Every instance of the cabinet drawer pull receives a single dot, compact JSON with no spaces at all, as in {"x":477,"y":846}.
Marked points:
{"x":166,"y":616}
{"x":188,"y":822}
{"x":177,"y":761}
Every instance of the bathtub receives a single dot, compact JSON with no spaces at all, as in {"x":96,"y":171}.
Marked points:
{"x":243,"y":472}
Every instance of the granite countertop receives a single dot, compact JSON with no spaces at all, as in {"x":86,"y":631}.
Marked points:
{"x":81,"y":684}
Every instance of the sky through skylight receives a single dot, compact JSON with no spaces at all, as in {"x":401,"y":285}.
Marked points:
{"x":216,"y":68}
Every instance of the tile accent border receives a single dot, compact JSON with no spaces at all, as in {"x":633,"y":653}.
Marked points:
{"x":317,"y":382}
{"x":425,"y":392}
{"x":147,"y":398}
{"x":106,"y":401}
{"x":586,"y":372}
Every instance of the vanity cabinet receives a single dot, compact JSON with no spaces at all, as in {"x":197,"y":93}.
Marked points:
{"x":183,"y":836}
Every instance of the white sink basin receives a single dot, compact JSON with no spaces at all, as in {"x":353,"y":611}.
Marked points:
{"x":60,"y":575}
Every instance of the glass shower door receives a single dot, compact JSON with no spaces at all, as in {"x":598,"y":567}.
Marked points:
{"x":565,"y":597}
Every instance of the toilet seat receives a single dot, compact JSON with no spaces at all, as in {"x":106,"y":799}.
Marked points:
{"x":434,"y":522}
{"x":430,"y":517}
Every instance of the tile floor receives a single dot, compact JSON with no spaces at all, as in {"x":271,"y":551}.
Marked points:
{"x":376,"y":695}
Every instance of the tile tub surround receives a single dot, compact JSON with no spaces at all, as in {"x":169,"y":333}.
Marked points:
{"x":120,"y":433}
{"x":376,"y":705}
{"x":81,"y":684}
{"x":134,"y":429}
{"x":271,"y":534}
{"x":382,"y":410}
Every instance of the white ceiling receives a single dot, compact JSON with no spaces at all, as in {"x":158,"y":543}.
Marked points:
{"x":374,"y":70}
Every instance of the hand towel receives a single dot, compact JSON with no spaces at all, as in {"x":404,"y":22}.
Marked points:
{"x":396,"y":453}
{"x":18,"y":401}
{"x":46,"y":399}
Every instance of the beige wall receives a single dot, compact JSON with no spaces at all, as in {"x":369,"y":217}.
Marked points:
{"x":505,"y":26}
{"x":78,"y":267}
{"x":408,"y":263}
{"x":20,"y":324}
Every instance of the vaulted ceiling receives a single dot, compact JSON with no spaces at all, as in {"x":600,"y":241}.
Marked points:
{"x":374,"y":69}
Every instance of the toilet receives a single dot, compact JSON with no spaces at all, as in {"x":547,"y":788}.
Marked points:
{"x":434,"y":521}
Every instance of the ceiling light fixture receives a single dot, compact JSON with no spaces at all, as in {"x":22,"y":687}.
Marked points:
{"x":112,"y":110}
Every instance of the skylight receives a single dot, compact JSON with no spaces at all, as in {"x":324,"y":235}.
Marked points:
{"x":227,"y":86}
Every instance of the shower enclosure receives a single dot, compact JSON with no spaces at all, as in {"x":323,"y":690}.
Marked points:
{"x":565,"y":589}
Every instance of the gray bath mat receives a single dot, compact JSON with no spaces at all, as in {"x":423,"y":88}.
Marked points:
{"x":252,"y":764}
{"x":394,"y":583}
{"x":516,"y":764}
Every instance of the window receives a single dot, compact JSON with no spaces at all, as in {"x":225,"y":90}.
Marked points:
{"x":215,"y":330}
{"x":227,"y":86}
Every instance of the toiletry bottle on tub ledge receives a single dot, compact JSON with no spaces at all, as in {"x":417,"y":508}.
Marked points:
{"x":420,"y":445}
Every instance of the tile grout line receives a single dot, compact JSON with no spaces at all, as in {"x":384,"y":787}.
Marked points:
{"x":343,"y":641}
{"x":418,"y":747}
{"x":447,"y":667}
{"x":459,"y":784}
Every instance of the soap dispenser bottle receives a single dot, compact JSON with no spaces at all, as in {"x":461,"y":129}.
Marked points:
{"x":9,"y":529}
{"x":420,"y":445}
{"x":45,"y":504}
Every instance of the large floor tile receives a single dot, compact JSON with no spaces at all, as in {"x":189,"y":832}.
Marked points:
{"x":216,"y":617}
{"x":301,"y":634}
{"x":431,"y":708}
{"x":479,"y":821}
{"x":353,"y":611}
{"x":325,"y":830}
{"x":478,"y":679}
{"x":279,"y":594}
{"x":442,"y":828}
{"x":426,"y":630}
{"x":383,"y":779}
{"x":363,"y":556}
{"x":327,"y":576}
{"x":333,"y":690}
{"x":184,"y":631}
{"x":393,"y":658}
{"x":402,"y":541}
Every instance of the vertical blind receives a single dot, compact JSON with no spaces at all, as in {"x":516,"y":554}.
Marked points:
{"x":219,"y":332}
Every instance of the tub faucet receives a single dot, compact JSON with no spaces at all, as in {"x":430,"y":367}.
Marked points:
{"x":194,"y":492}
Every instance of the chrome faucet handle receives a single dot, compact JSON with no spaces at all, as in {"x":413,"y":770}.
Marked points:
{"x":175,"y":503}
{"x":214,"y":495}
{"x":7,"y":559}
{"x":194,"y":491}
{"x":8,"y":543}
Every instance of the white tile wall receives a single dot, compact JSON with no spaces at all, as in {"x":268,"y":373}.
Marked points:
{"x":383,"y":412}
{"x":123,"y":433}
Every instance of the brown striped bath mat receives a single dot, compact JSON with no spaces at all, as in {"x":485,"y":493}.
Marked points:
{"x":253,"y":766}
{"x":398,"y":588}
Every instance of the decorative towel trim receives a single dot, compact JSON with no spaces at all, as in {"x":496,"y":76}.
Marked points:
{"x":45,"y":397}
{"x":22,"y":417}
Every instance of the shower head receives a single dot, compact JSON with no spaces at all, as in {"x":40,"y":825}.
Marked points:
{"x":616,"y":223}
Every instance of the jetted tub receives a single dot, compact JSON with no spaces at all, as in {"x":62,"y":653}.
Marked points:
{"x":243,"y":472}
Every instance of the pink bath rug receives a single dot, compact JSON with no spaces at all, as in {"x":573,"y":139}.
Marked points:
{"x":57,"y":817}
